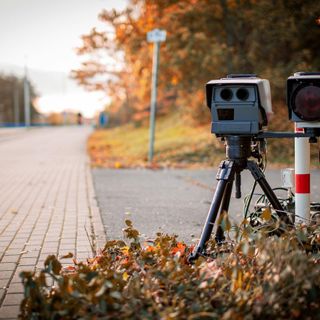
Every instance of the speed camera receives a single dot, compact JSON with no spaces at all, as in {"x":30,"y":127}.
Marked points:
{"x":303,"y":99}
{"x":240,"y":104}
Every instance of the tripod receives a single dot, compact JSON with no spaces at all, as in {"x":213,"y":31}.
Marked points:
{"x":238,"y":150}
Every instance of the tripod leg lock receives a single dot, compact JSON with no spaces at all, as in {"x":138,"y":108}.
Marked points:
{"x":225,"y":170}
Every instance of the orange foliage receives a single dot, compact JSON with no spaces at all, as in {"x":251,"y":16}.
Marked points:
{"x":55,"y":118}
{"x":205,"y":40}
{"x":180,"y":249}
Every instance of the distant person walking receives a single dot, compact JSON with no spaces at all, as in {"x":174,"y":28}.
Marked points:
{"x":103,"y":120}
{"x":79,"y":118}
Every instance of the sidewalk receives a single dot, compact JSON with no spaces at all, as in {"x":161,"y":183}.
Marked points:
{"x":47,"y":205}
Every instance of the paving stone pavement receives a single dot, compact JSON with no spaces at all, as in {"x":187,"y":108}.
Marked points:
{"x":47,"y":205}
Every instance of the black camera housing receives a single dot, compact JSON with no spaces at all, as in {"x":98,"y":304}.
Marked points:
{"x":303,"y":98}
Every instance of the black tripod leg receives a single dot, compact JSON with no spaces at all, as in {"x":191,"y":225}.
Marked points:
{"x":260,"y":178}
{"x":225,"y":176}
{"x":224,"y":208}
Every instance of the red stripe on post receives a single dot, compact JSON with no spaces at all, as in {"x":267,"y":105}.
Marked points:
{"x":296,"y":129}
{"x":299,"y":130}
{"x":303,"y":183}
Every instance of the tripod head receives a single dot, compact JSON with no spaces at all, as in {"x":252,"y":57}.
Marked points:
{"x":239,"y":149}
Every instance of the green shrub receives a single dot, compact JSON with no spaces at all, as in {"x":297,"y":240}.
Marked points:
{"x":251,"y":277}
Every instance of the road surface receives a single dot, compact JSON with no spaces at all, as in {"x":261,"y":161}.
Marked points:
{"x":170,"y":201}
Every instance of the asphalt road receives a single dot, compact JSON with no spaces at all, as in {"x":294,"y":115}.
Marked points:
{"x":171,"y":201}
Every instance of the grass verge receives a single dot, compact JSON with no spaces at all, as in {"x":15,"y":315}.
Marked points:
{"x":176,"y":145}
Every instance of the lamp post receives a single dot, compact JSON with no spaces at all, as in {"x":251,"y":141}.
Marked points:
{"x":26,"y":90}
{"x":155,"y":36}
{"x":16,"y":111}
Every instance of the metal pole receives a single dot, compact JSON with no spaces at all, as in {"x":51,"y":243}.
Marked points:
{"x":16,"y":111}
{"x":26,"y":100}
{"x":153,"y":110}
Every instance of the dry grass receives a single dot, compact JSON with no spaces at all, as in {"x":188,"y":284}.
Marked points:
{"x":177,"y":144}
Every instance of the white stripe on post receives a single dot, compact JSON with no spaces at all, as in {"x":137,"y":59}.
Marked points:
{"x":302,"y":178}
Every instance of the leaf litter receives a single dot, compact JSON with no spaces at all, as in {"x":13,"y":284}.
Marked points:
{"x":249,"y":277}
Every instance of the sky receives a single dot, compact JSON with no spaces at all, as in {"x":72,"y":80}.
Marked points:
{"x":43,"y":35}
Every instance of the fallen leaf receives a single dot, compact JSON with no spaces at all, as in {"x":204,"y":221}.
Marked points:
{"x":266,"y":214}
{"x":68,"y":255}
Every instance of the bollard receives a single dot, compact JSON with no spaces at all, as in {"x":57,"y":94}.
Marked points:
{"x":302,"y":178}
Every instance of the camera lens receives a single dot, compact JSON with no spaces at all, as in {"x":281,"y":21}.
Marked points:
{"x":226,"y":94}
{"x":307,"y":103}
{"x":242,"y":94}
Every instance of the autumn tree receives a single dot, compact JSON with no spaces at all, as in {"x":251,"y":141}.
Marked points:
{"x":205,"y":39}
{"x":12,"y":99}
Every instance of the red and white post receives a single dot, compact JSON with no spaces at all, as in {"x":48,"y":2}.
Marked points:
{"x":302,"y":178}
